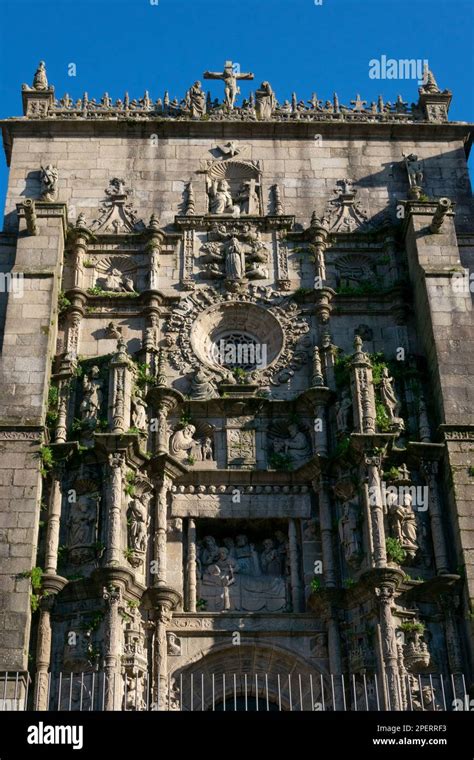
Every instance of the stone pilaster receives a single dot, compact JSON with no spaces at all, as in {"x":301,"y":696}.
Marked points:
{"x":385,"y":595}
{"x":294,"y":566}
{"x":191,"y":566}
{"x":120,"y":385}
{"x":53,"y":524}
{"x":113,"y":597}
{"x":163,"y":486}
{"x":375,"y":502}
{"x":362,"y":387}
{"x":325,"y":521}
{"x":116,"y":465}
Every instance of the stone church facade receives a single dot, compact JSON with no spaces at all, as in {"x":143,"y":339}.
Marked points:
{"x":236,"y":426}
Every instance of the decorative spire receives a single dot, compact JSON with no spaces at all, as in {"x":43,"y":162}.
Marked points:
{"x":317,"y":376}
{"x":40,"y":81}
{"x":277,"y":204}
{"x":429,"y":82}
{"x":190,"y":202}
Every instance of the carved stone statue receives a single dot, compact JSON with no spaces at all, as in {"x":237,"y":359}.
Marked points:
{"x":81,"y":520}
{"x":202,"y":385}
{"x":389,"y":399}
{"x":210,"y":551}
{"x":264,"y":101}
{"x":349,"y":532}
{"x":235,"y":577}
{"x":139,"y":412}
{"x":196,"y":100}
{"x":269,"y":559}
{"x":183,"y":442}
{"x":134,"y":699}
{"x":234,"y":260}
{"x":221,"y":198}
{"x":343,"y":408}
{"x":414,"y":169}
{"x":82,"y":529}
{"x":117,"y":282}
{"x":403,"y":521}
{"x":49,"y":182}
{"x":295,"y":444}
{"x":92,"y":397}
{"x":138,"y":520}
{"x":230,"y":76}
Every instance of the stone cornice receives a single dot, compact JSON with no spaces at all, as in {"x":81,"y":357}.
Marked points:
{"x":23,"y":127}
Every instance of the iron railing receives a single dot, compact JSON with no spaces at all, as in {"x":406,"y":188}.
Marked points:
{"x":194,"y":691}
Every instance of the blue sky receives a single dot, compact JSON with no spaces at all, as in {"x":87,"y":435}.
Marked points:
{"x":297,"y":45}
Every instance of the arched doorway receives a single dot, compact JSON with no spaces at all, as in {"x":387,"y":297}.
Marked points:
{"x":249,"y":677}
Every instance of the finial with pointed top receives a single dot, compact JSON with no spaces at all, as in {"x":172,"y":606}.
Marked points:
{"x":81,"y":220}
{"x":154,"y":223}
{"x":430,"y":84}
{"x":40,"y":81}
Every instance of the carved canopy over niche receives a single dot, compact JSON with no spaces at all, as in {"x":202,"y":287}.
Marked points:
{"x":269,"y":320}
{"x":234,"y":187}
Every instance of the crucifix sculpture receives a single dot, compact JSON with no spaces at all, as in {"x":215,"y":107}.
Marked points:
{"x":229,"y":76}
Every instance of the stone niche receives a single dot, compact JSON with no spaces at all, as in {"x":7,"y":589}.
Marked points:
{"x":243,"y":566}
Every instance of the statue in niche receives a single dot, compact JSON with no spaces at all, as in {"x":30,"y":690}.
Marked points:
{"x":349,"y":532}
{"x":220,"y":197}
{"x":138,"y":521}
{"x":389,"y":399}
{"x":207,"y":449}
{"x":230,"y":546}
{"x":318,"y":646}
{"x":424,"y":699}
{"x":403,"y":521}
{"x":209,"y":551}
{"x":202,"y":385}
{"x":183,"y":441}
{"x":222,"y":575}
{"x":116,"y":282}
{"x":234,"y":577}
{"x":247,"y":557}
{"x":295,"y":445}
{"x":414,"y":169}
{"x":92,"y":397}
{"x":196,"y":101}
{"x":343,"y":408}
{"x":134,"y":699}
{"x":139,"y":412}
{"x":234,"y":260}
{"x":269,"y":559}
{"x":265,"y":101}
{"x":49,"y":182}
{"x":82,"y":528}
